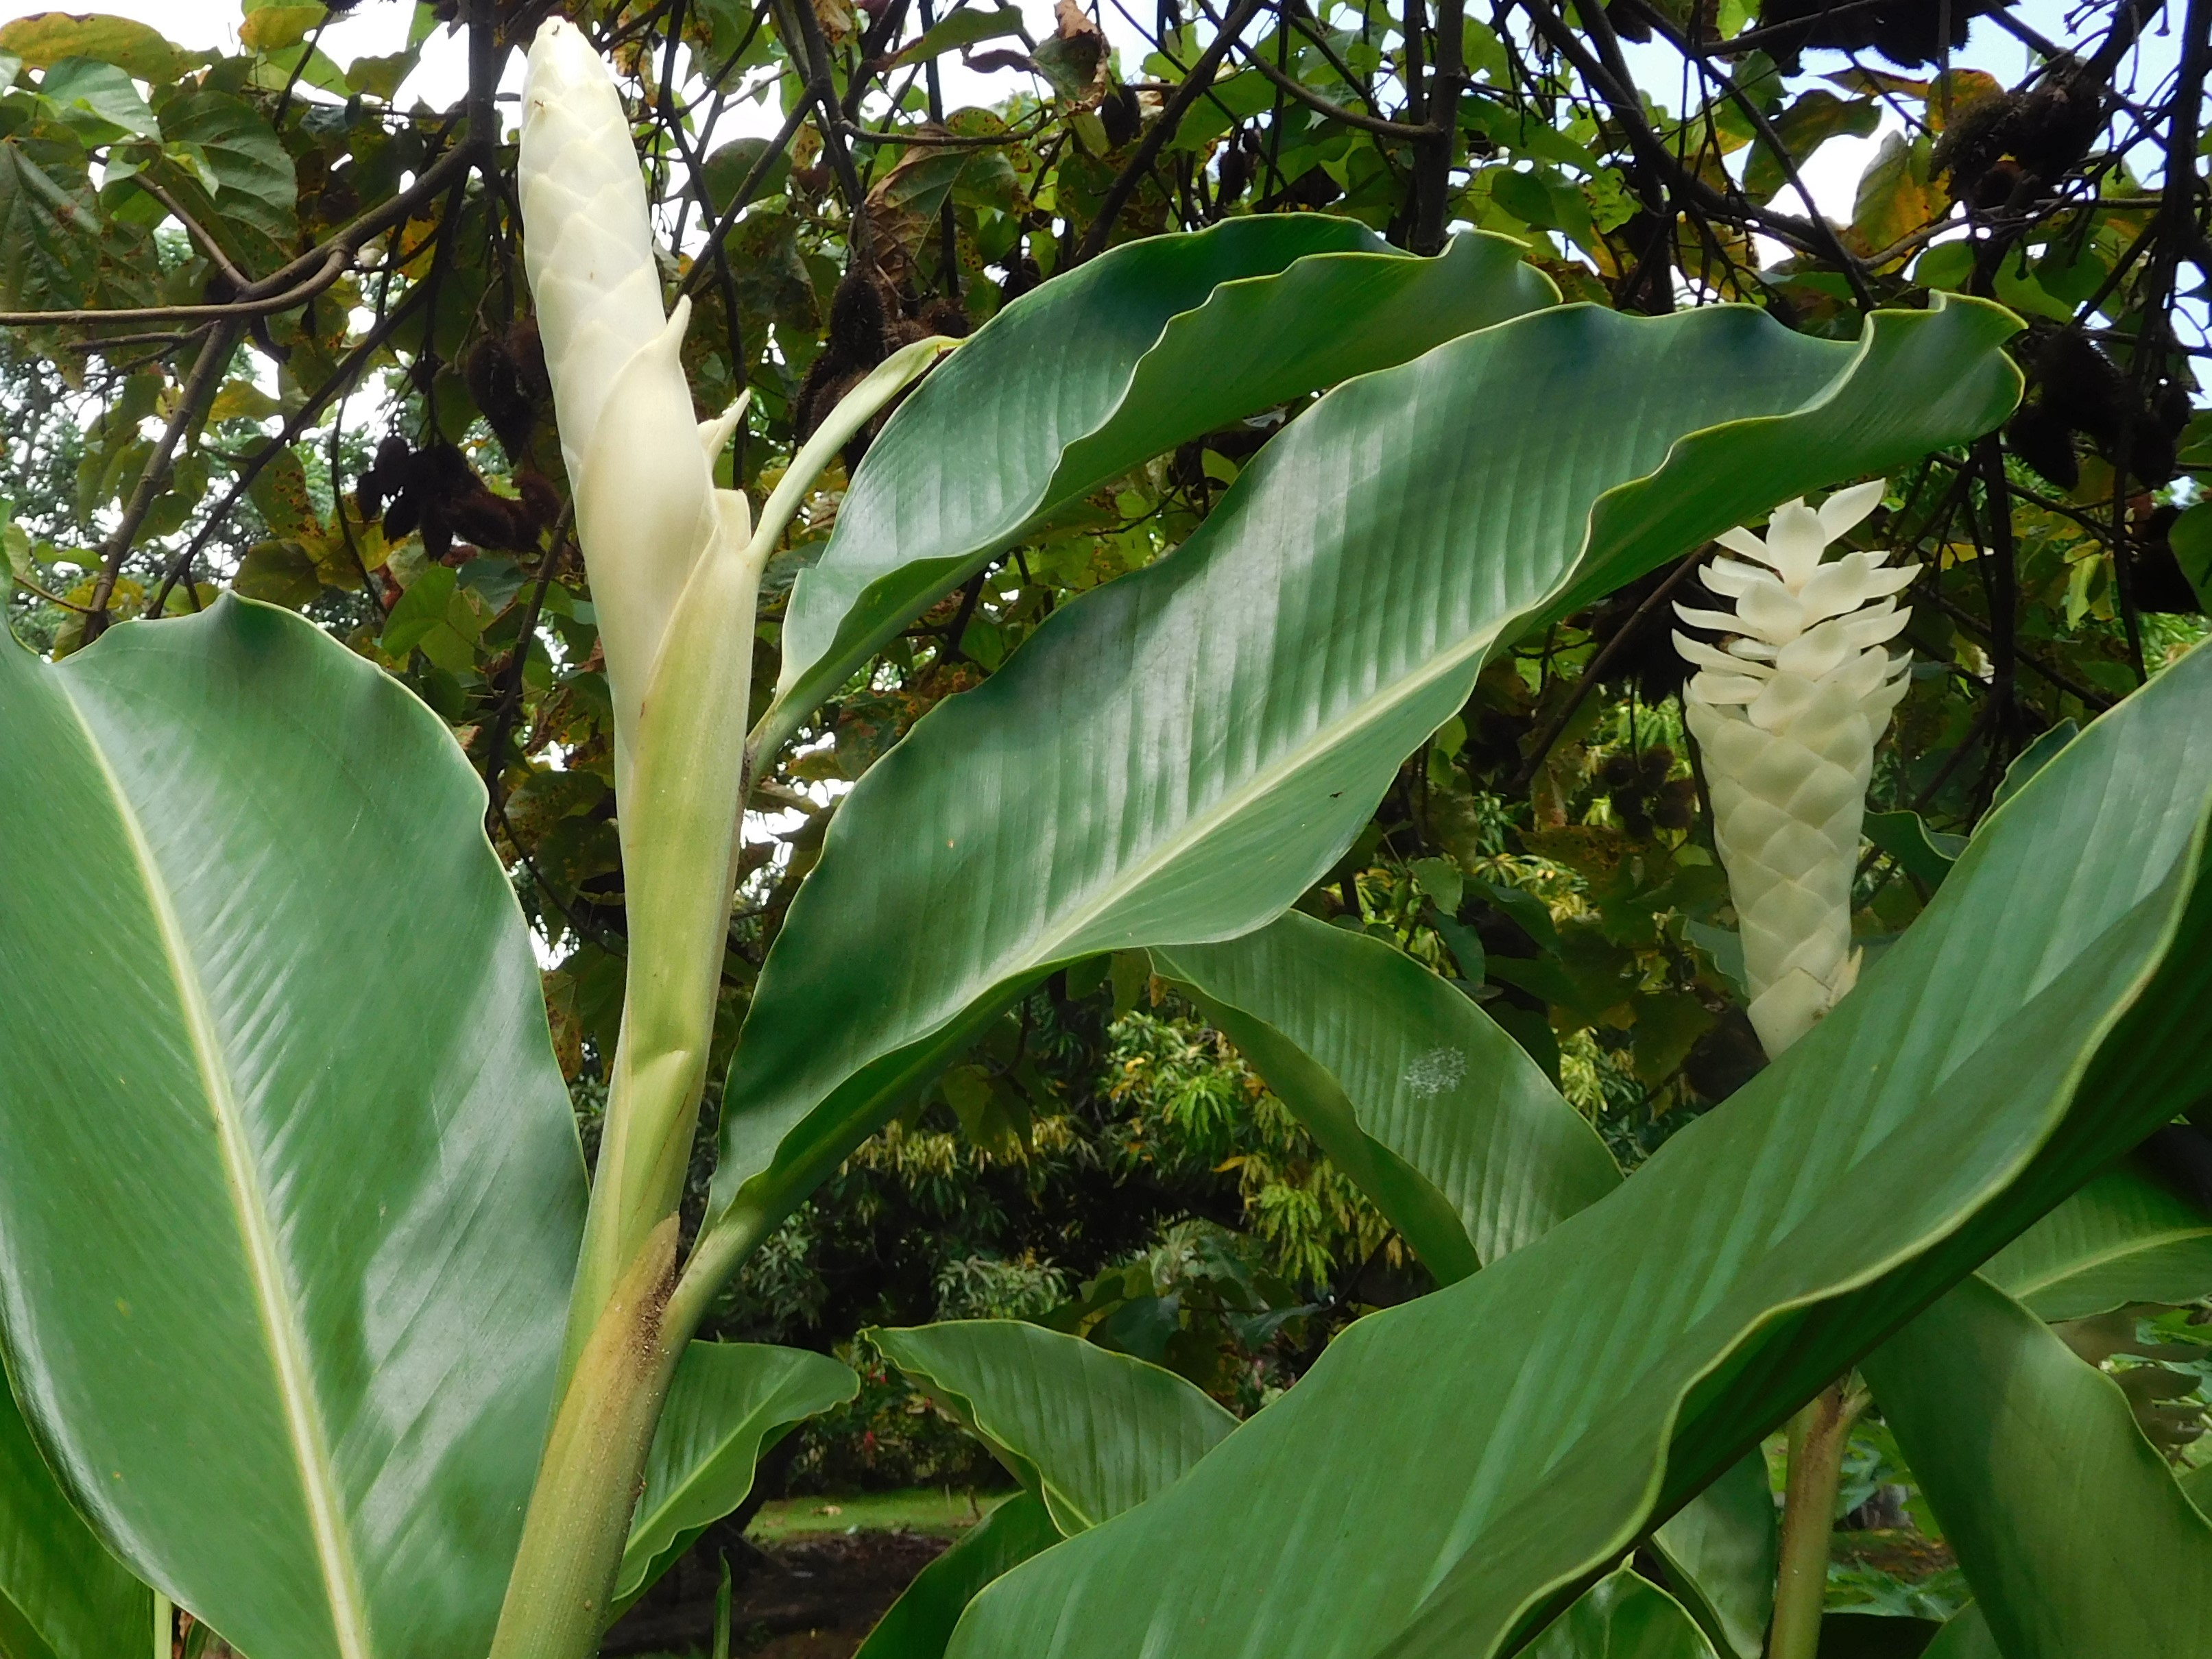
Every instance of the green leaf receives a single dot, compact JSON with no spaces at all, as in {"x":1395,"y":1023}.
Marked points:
{"x":729,"y":165}
{"x":2067,"y":1524}
{"x":1090,"y":1431}
{"x":2197,"y":1487}
{"x":380,"y":76}
{"x":46,"y":37}
{"x":1486,"y":1451}
{"x":279,"y":572}
{"x":1623,"y":1617}
{"x":1524,"y":196}
{"x":257,"y":187}
{"x":1816,"y":116}
{"x":1464,"y":1146}
{"x":97,"y":101}
{"x":2122,"y":1238}
{"x":963,"y":28}
{"x":919,"y":1623}
{"x":1923,"y":853}
{"x":1179,"y":335}
{"x":2033,"y":759}
{"x":2190,"y":538}
{"x":49,"y":220}
{"x":1722,"y":1551}
{"x":730,"y":1402}
{"x":1415,"y":1093}
{"x":1209,"y":733}
{"x":1965,"y":1635}
{"x":434,"y":616}
{"x":61,"y":1595}
{"x":283,"y":1288}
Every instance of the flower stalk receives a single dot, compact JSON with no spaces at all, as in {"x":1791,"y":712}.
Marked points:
{"x":675,"y":566}
{"x":1787,"y":711}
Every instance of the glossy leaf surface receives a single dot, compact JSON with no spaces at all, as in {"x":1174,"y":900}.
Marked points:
{"x":919,"y":1623}
{"x":1179,"y":335}
{"x":1721,"y":1551}
{"x":2069,"y":1524}
{"x":1206,"y":735}
{"x":1412,"y":1091}
{"x":1463,"y":1143}
{"x":1485,"y":1451}
{"x":2123,"y":1238}
{"x":1090,"y":1432}
{"x":61,"y":1595}
{"x":1623,"y":1616}
{"x":283,"y":1285}
{"x":1965,"y":1635}
{"x":729,"y":1402}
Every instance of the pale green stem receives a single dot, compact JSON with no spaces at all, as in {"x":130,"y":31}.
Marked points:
{"x":1818,"y":1435}
{"x":165,"y":1626}
{"x":681,"y":819}
{"x":559,"y":1595}
{"x":680,"y":847}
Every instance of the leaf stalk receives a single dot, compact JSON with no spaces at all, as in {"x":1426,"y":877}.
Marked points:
{"x":1818,"y":1435}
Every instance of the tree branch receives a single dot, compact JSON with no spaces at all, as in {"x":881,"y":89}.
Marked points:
{"x":1155,"y":139}
{"x":198,"y":388}
{"x":356,"y":360}
{"x":1335,"y":112}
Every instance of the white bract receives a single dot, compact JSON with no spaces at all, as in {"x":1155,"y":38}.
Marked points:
{"x":675,"y":567}
{"x":640,"y":465}
{"x":1787,"y":713}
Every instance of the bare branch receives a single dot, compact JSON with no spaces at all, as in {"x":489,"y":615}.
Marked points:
{"x":1155,"y":139}
{"x":198,"y":389}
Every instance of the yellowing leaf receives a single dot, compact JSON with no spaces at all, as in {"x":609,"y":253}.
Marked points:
{"x":242,"y":400}
{"x":1895,"y":198}
{"x":47,"y":37}
{"x":272,"y":26}
{"x":281,"y":493}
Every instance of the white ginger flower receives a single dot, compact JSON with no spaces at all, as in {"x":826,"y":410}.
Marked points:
{"x":1787,"y":712}
{"x":639,"y":463}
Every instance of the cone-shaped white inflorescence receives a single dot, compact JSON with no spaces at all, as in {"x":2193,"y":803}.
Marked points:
{"x":640,"y":465}
{"x":1787,"y":712}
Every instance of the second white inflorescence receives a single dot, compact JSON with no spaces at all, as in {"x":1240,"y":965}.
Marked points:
{"x":1787,"y":711}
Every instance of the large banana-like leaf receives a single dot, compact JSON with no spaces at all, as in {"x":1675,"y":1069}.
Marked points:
{"x":1179,"y":754}
{"x":1483,"y":1452}
{"x":1412,"y":1091}
{"x":2067,"y":1524}
{"x":919,"y":1623}
{"x":1721,"y":1551}
{"x":1090,"y":1431}
{"x":1965,"y":1635}
{"x":293,"y":1192}
{"x":2124,"y":1237}
{"x":1463,"y":1143}
{"x":729,"y":1401}
{"x":2196,"y":1487}
{"x":1623,"y":1616}
{"x":61,"y":1595}
{"x":1072,"y":384}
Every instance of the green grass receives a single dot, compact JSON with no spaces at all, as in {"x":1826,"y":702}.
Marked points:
{"x":915,"y":1509}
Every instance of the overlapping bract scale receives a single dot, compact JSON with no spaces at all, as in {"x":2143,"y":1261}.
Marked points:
{"x":1787,"y":712}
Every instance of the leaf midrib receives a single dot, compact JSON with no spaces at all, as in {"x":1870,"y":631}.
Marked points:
{"x":272,"y":1295}
{"x":2139,"y":1244}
